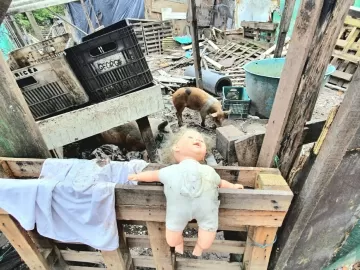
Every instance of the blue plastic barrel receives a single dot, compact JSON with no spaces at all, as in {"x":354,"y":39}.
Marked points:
{"x":262,"y":79}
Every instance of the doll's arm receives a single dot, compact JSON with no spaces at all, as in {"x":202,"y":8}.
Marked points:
{"x":226,"y":184}
{"x":149,"y":176}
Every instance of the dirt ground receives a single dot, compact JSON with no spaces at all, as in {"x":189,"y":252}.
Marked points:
{"x":327,"y":100}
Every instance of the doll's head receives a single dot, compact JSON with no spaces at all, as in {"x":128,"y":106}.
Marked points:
{"x":187,"y":143}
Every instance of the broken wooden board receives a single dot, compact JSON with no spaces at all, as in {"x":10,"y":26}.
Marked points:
{"x":247,"y":147}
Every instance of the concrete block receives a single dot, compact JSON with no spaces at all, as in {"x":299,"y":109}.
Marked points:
{"x":225,"y":142}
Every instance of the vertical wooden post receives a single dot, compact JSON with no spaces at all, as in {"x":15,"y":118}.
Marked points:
{"x":316,"y":31}
{"x":301,"y":40}
{"x":195,"y":44}
{"x":148,"y":138}
{"x":258,"y":248}
{"x":34,"y":25}
{"x":284,"y":26}
{"x":22,"y":243}
{"x":119,"y":259}
{"x":159,"y":246}
{"x":260,"y":240}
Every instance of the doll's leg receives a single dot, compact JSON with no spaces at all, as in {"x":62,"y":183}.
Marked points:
{"x":205,"y":240}
{"x":175,"y":239}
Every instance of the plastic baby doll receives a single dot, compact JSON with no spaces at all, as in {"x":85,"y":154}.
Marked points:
{"x":191,"y":191}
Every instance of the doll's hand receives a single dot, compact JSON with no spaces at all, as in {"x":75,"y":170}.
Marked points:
{"x":238,"y":186}
{"x":132,"y":177}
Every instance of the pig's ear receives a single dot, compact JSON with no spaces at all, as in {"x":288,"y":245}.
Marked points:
{"x":227,"y":113}
{"x":214,"y":114}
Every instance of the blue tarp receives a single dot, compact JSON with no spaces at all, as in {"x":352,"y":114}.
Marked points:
{"x":107,"y":11}
{"x":6,"y":44}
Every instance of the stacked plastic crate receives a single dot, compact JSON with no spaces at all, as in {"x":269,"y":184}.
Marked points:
{"x":45,"y":78}
{"x":110,"y":63}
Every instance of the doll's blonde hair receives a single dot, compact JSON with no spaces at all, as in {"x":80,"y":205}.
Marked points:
{"x":166,"y":151}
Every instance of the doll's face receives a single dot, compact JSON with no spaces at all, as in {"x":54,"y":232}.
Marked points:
{"x":190,"y":145}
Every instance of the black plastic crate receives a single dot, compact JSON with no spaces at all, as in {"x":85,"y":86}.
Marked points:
{"x":110,"y":65}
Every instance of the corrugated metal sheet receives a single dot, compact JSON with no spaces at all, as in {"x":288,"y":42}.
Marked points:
{"x":18,"y":6}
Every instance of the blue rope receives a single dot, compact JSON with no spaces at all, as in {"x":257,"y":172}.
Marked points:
{"x":3,"y":256}
{"x":255,"y":244}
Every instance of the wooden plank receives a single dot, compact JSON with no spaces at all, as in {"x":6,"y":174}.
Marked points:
{"x":346,"y":56}
{"x":342,"y":75}
{"x":85,"y":122}
{"x":22,"y":243}
{"x":245,"y":199}
{"x":342,"y":43}
{"x":258,"y":247}
{"x":352,"y":22}
{"x":329,"y":192}
{"x":160,"y":248}
{"x":114,"y":260}
{"x":121,"y":257}
{"x":222,"y":246}
{"x":170,"y":79}
{"x":30,"y":168}
{"x":190,"y":264}
{"x":300,"y":43}
{"x":82,"y":256}
{"x":227,"y":217}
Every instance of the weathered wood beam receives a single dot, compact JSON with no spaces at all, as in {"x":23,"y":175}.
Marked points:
{"x":30,"y":168}
{"x":284,"y":26}
{"x":22,"y":243}
{"x":327,"y":21}
{"x":311,"y":81}
{"x":300,"y":43}
{"x":329,"y":199}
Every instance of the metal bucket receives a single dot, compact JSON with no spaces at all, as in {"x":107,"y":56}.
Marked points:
{"x":262,"y":79}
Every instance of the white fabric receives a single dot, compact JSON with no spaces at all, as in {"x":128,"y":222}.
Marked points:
{"x":72,"y":201}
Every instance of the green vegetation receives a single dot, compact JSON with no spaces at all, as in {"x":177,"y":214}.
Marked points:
{"x":42,"y":16}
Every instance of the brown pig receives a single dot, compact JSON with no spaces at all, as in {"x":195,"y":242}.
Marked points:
{"x":198,"y":100}
{"x":128,"y":135}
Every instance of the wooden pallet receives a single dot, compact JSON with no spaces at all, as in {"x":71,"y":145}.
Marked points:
{"x":259,"y":210}
{"x":240,"y":52}
{"x":346,"y":54}
{"x":151,"y":33}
